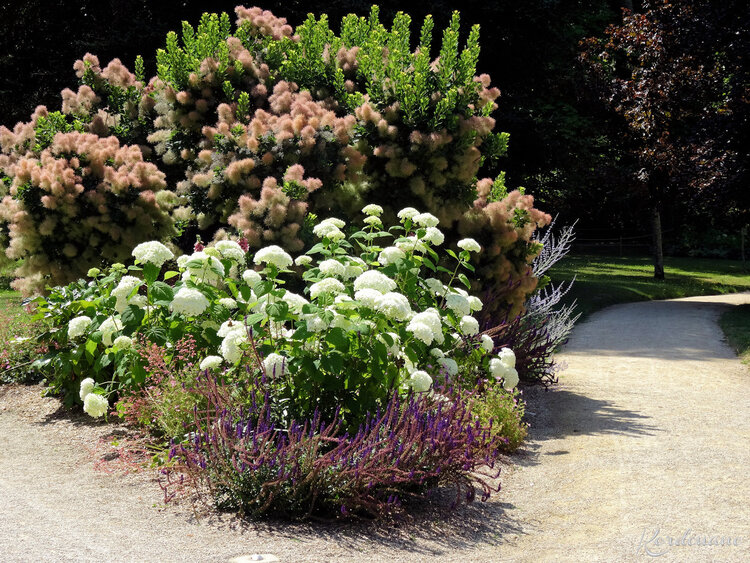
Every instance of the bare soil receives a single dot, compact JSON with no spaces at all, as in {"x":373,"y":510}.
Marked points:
{"x":641,"y":451}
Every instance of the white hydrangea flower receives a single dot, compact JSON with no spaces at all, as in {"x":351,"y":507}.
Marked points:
{"x":329,"y":228}
{"x":138,"y":300}
{"x":228,"y":302}
{"x":437,"y":353}
{"x":469,"y":325}
{"x":395,"y":348}
{"x":407,"y":213}
{"x":315,"y":323}
{"x":303,"y":260}
{"x":372,"y":220}
{"x":183,"y":260}
{"x":510,"y":380}
{"x":354,"y":268}
{"x":458,"y":304}
{"x":123,"y":342}
{"x":230,"y":326}
{"x":426,"y":220}
{"x":95,"y":405}
{"x":372,"y":279}
{"x":410,"y":244}
{"x":274,"y":365}
{"x":123,"y":290}
{"x":152,"y":252}
{"x":109,"y":326}
{"x":391,"y":254}
{"x":394,"y":305}
{"x":420,"y":381}
{"x":87,"y":386}
{"x":207,"y":268}
{"x":211,"y":363}
{"x":368,"y":297}
{"x":189,"y":302}
{"x":273,"y":255}
{"x":77,"y":326}
{"x":449,"y":366}
{"x":431,"y":319}
{"x":330,"y":286}
{"x":435,"y":286}
{"x":231,"y":250}
{"x":507,"y":357}
{"x":251,"y":277}
{"x":488,"y":345}
{"x":475,"y":303}
{"x":342,"y":321}
{"x":469,"y":244}
{"x":332,"y":267}
{"x":295,"y":302}
{"x":372,"y":209}
{"x":421,"y":331}
{"x":434,"y":236}
{"x":231,"y":346}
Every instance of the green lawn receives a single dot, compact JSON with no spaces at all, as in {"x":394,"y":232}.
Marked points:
{"x":605,"y":280}
{"x":736,"y":326}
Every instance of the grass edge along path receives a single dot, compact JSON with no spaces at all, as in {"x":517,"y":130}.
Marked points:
{"x":736,"y":326}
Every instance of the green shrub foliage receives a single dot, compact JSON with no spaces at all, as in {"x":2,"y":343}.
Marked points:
{"x":255,"y":125}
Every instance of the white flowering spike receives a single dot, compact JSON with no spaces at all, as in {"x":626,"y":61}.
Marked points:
{"x":189,"y":302}
{"x":303,"y":260}
{"x":390,"y":255}
{"x":449,"y":366}
{"x":231,"y":250}
{"x":122,"y":342}
{"x":434,"y":236}
{"x":95,"y":405}
{"x":228,"y":302}
{"x":507,"y":357}
{"x":211,"y":363}
{"x":274,"y":365}
{"x":458,"y":304}
{"x":152,"y":252}
{"x":394,"y":305}
{"x":372,"y":279}
{"x":330,"y":286}
{"x":372,"y":209}
{"x":469,"y":325}
{"x":251,"y":277}
{"x":108,"y":328}
{"x":273,"y":255}
{"x":420,"y":381}
{"x":488,"y":345}
{"x":469,"y":244}
{"x":87,"y":386}
{"x":77,"y":326}
{"x":332,"y":267}
{"x":407,"y":213}
{"x":426,"y":220}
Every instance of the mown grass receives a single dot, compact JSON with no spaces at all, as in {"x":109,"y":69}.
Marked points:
{"x":605,"y":280}
{"x":736,"y":326}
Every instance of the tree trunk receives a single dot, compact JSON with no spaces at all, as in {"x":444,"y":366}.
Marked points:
{"x":658,"y":252}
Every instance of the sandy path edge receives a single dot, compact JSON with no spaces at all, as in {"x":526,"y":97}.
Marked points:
{"x":647,"y":437}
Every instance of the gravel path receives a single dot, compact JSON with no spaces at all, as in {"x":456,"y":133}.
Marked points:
{"x":646,"y":441}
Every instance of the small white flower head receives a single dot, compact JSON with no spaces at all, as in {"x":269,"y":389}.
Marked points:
{"x":354,"y":268}
{"x":273,"y":255}
{"x":93,"y":272}
{"x":211,"y":363}
{"x":303,"y":260}
{"x":295,"y":302}
{"x":434,"y":236}
{"x":372,"y":209}
{"x":228,"y":302}
{"x":152,"y":252}
{"x":448,"y":366}
{"x":274,"y":364}
{"x":332,"y":267}
{"x":230,"y":326}
{"x":372,"y":279}
{"x":407,"y":213}
{"x":469,"y":244}
{"x":315,"y":323}
{"x":95,"y":405}
{"x":435,"y":286}
{"x":431,"y":319}
{"x":108,"y":328}
{"x":329,"y":228}
{"x":330,"y":286}
{"x":394,"y":305}
{"x":368,"y":297}
{"x":421,"y":331}
{"x":488,"y":345}
{"x":410,"y":244}
{"x":183,"y":260}
{"x":251,"y":277}
{"x":507,"y":357}
{"x":372,"y":220}
{"x":390,"y":255}
{"x":87,"y":386}
{"x":475,"y":303}
{"x":123,"y":290}
{"x":420,"y":381}
{"x":458,"y":304}
{"x":437,"y":353}
{"x":77,"y":326}
{"x":469,"y":325}
{"x":189,"y":302}
{"x":122,"y":342}
{"x":231,"y":250}
{"x":426,"y":220}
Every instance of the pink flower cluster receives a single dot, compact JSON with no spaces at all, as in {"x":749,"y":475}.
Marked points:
{"x":263,"y":22}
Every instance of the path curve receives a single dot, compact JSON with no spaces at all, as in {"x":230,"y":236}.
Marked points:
{"x":646,"y":438}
